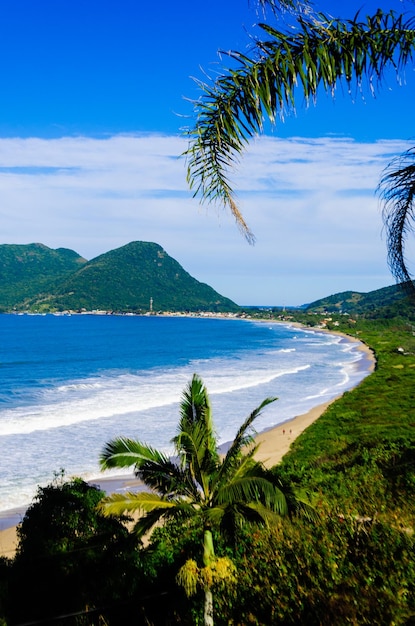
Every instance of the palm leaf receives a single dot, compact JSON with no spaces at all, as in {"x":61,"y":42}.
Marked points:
{"x":302,"y":508}
{"x":124,"y":452}
{"x":194,"y":402}
{"x":147,"y":521}
{"x":280,"y":5}
{"x":196,"y":413}
{"x":298,"y":503}
{"x":180,"y":511}
{"x":266,"y":515}
{"x":168,"y":480}
{"x":153,"y":467}
{"x":320,"y":52}
{"x":195,"y":442}
{"x":253,"y":489}
{"x":200,"y":464}
{"x":397,"y":190}
{"x":230,"y":518}
{"x":141,"y":502}
{"x":244,"y":438}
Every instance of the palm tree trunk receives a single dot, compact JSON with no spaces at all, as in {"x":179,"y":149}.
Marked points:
{"x":208,"y":556}
{"x":208,"y":613}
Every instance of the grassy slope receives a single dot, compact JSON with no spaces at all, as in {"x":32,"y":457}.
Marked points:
{"x":360,"y":455}
{"x":356,"y":564}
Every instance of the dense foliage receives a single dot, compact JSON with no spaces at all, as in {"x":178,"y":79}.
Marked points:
{"x":357,"y":463}
{"x":387,"y":302}
{"x":335,"y":574}
{"x":127,"y":279}
{"x":70,"y":560}
{"x":223,"y":492}
{"x":355,"y":565}
{"x":360,"y":453}
{"x":26,"y":270}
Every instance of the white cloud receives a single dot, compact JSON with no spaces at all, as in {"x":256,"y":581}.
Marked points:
{"x":310,"y":203}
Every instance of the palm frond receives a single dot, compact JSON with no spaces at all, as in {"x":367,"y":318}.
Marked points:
{"x":264,"y":514}
{"x":302,"y":508}
{"x":147,"y":521}
{"x":196,"y":412}
{"x":196,"y":441}
{"x":153,"y":467}
{"x":124,"y":452}
{"x":244,"y":438}
{"x":321,"y":52}
{"x":276,"y":6}
{"x":201,"y":464}
{"x":232,"y":517}
{"x":141,"y":502}
{"x":241,"y":466}
{"x":397,"y":190}
{"x":253,"y":489}
{"x":168,"y":480}
{"x":194,"y":402}
{"x":298,"y":502}
{"x":180,"y":511}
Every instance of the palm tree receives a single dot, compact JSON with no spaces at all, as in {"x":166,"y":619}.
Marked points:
{"x":319,"y":52}
{"x":221,"y":491}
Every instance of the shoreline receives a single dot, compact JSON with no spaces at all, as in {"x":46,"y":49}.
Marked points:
{"x":274,"y":443}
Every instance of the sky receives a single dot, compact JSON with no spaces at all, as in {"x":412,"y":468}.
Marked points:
{"x":95,"y":97}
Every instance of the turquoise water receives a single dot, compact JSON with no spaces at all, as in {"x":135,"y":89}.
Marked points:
{"x":68,"y":384}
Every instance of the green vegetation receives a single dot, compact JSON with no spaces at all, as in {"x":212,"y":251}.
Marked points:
{"x":70,"y":558}
{"x":37,"y":279}
{"x":360,"y":453}
{"x":26,"y":270}
{"x":355,"y":564}
{"x":221,"y":493}
{"x":388,"y":302}
{"x":344,"y":309}
{"x":127,"y":279}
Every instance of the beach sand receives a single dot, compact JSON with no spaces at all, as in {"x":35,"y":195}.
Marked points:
{"x":274,"y":444}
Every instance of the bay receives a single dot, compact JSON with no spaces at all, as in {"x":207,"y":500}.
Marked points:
{"x":69,"y":384}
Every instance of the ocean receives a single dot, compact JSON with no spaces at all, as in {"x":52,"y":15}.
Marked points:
{"x":70,"y":383}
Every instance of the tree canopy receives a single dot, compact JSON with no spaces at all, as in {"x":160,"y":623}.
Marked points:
{"x":70,"y":558}
{"x":222,"y":492}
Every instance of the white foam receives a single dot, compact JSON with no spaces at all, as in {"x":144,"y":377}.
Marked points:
{"x":67,"y":424}
{"x":87,"y":401}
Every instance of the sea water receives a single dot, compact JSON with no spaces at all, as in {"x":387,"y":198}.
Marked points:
{"x":69,"y":384}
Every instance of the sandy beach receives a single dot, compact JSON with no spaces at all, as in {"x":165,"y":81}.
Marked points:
{"x":274,"y":444}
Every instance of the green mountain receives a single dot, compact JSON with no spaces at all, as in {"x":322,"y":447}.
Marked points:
{"x":125,"y":279}
{"x":26,"y":270}
{"x":387,"y":302}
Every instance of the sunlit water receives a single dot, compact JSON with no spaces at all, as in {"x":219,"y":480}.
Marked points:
{"x":68,"y":384}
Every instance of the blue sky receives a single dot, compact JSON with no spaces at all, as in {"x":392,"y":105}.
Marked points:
{"x":94,"y":99}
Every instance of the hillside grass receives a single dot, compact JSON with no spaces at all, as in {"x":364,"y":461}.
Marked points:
{"x":359,"y":456}
{"x":355,"y":563}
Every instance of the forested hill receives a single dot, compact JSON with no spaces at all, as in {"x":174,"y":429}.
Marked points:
{"x":26,"y":270}
{"x":36,"y":278}
{"x":386,"y":302}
